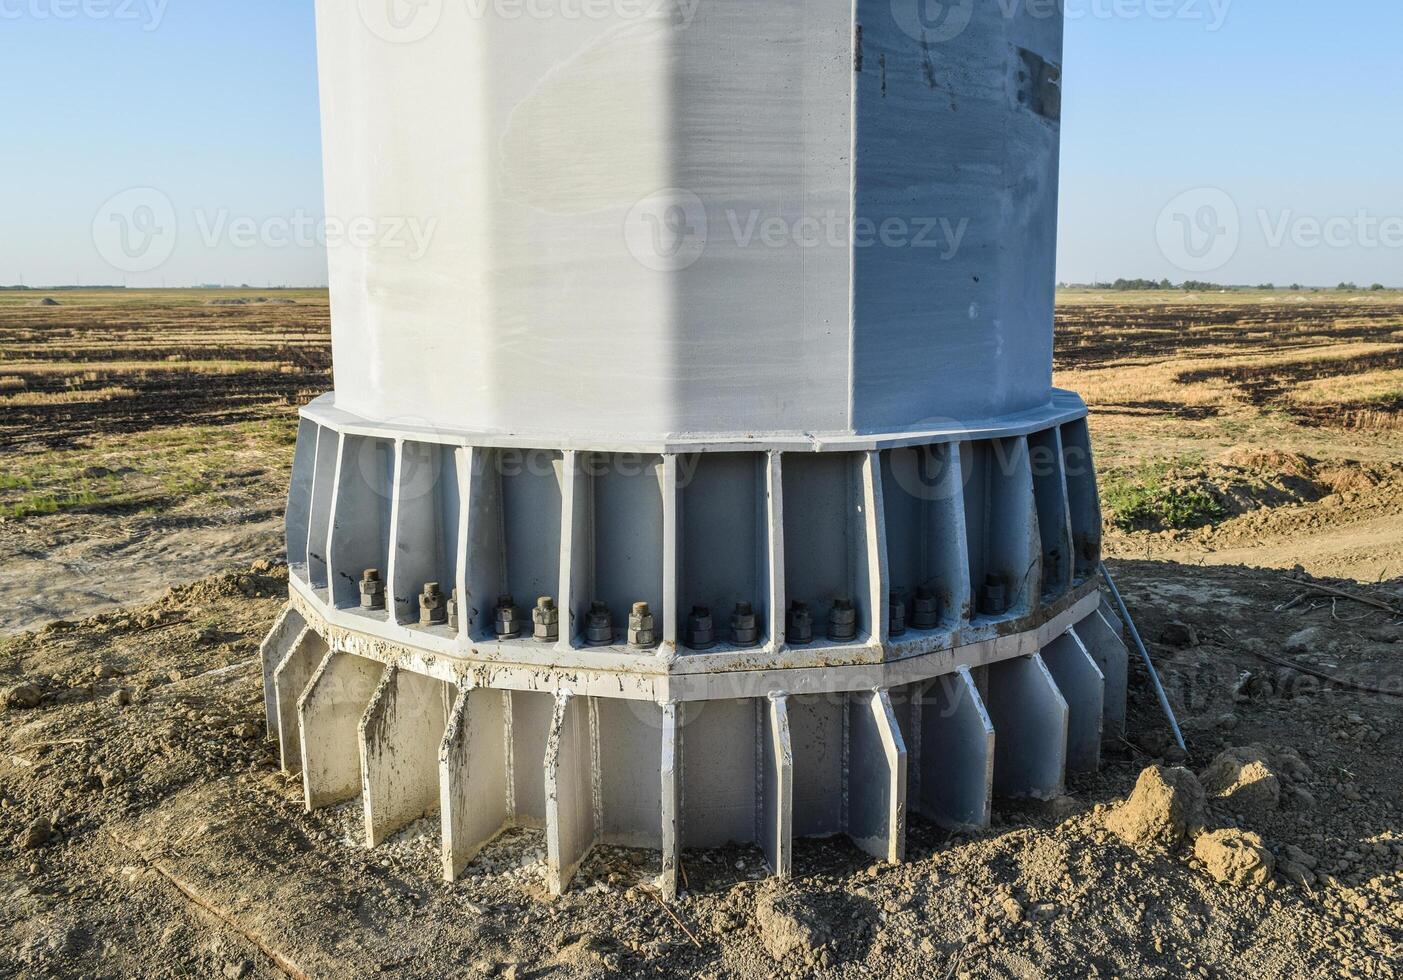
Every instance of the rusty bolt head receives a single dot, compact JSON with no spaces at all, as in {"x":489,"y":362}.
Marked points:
{"x":545,"y":619}
{"x":842,"y":621}
{"x":745,"y":626}
{"x":507,"y":623}
{"x":599,"y":626}
{"x":799,"y":624}
{"x":372,"y":590}
{"x":433,"y":608}
{"x":927,"y":610}
{"x":993,"y":597}
{"x":640,"y":626}
{"x":897,"y":620}
{"x":701,"y":631}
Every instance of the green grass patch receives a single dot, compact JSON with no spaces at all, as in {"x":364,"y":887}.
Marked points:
{"x":159,"y":469}
{"x":1146,"y":499}
{"x":39,"y":504}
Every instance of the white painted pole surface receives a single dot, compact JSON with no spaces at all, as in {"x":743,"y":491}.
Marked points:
{"x":683,"y":217}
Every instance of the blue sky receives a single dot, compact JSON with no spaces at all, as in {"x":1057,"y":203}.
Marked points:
{"x":1293,"y":108}
{"x":1231,"y":140}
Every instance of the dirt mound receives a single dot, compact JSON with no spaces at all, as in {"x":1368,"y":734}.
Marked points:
{"x":789,"y":927}
{"x":1260,"y":480}
{"x":1165,"y":809}
{"x":1348,"y":477}
{"x":1235,"y":857}
{"x":46,"y":301}
{"x":1242,"y":778}
{"x":1269,"y":461}
{"x":591,"y":955}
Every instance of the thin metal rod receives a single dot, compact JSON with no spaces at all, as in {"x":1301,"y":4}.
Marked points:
{"x":1145,"y":655}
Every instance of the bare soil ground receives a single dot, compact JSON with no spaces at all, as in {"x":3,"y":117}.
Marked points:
{"x":145,"y":829}
{"x":172,"y":846}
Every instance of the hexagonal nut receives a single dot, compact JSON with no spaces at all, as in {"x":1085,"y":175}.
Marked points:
{"x":507,"y":622}
{"x":545,"y":620}
{"x":599,"y":626}
{"x":372,"y":594}
{"x":701,"y":628}
{"x":433,"y":608}
{"x":925,"y":611}
{"x":745,"y":625}
{"x":799,"y":625}
{"x":640,"y":630}
{"x":843,"y":617}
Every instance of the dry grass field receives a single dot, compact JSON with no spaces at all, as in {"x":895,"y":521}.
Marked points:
{"x":145,"y":829}
{"x":147,"y":438}
{"x":1260,"y":428}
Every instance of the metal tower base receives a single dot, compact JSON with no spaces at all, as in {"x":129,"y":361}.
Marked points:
{"x":676,"y":728}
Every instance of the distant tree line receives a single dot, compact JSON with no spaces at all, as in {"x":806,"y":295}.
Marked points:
{"x":1198,"y":286}
{"x":53,"y":289}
